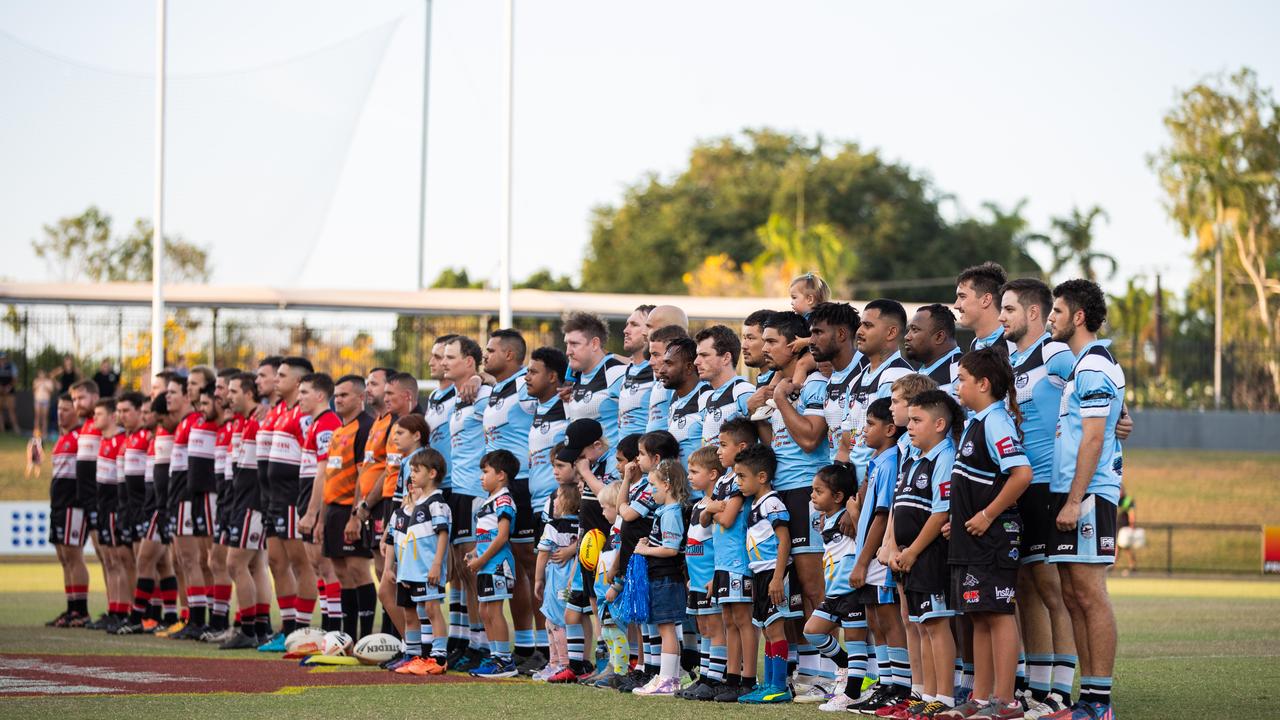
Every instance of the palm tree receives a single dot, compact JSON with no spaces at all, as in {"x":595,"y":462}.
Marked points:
{"x":1074,"y":243}
{"x":1014,"y":224}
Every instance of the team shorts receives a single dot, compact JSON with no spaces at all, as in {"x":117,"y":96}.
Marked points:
{"x":763,"y":612}
{"x":335,"y":544}
{"x":463,"y":509}
{"x":1093,"y":540}
{"x":526,"y":525}
{"x":125,"y":527}
{"x":869,"y":594}
{"x":922,"y":606}
{"x":410,"y":593}
{"x":578,"y":601}
{"x":701,"y":603}
{"x":110,"y":531}
{"x":1037,"y":523}
{"x":376,"y":526}
{"x":68,"y":526}
{"x":844,"y":610}
{"x":988,"y":588}
{"x":284,"y":522}
{"x":246,"y":530}
{"x":222,"y":518}
{"x":159,"y":529}
{"x":195,"y":516}
{"x":805,"y":524}
{"x":731,"y":587}
{"x":495,"y":585}
{"x":667,"y":598}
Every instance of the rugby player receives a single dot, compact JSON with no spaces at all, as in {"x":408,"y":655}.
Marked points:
{"x":727,"y":392}
{"x":68,"y":520}
{"x":930,"y":343}
{"x":314,"y":393}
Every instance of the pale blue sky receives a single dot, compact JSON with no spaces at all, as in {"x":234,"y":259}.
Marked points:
{"x":294,"y":125}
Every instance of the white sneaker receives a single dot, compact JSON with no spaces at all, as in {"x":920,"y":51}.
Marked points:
{"x":815,"y":693}
{"x":842,"y":679}
{"x":1045,"y":708}
{"x":765,"y":411}
{"x":837,"y":703}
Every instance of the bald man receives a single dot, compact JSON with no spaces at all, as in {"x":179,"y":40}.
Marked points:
{"x":664,"y":315}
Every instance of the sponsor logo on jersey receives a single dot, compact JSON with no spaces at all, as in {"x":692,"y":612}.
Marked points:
{"x":970,"y":580}
{"x":972,"y":596}
{"x":1014,"y":554}
{"x":1107,"y":543}
{"x":1065,"y":546}
{"x":1005,"y":594}
{"x":1008,"y":447}
{"x":1011,"y":526}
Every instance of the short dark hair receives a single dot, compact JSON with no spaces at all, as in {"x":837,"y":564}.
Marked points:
{"x":790,"y":325}
{"x":273,"y":360}
{"x":1084,"y":295}
{"x":682,"y":348}
{"x":646,"y":309}
{"x":357,"y":380}
{"x":501,"y":461}
{"x":406,"y":382}
{"x":839,"y":479}
{"x":758,"y":458}
{"x":415,"y":423}
{"x":588,"y":324}
{"x":723,"y":340}
{"x":629,"y":447}
{"x":134,"y":398}
{"x":758,"y":318}
{"x":667,"y":333}
{"x":880,"y":409}
{"x":468,"y":347}
{"x":322,"y":382}
{"x":66,"y":397}
{"x":228,"y":373}
{"x":891,"y":309}
{"x":159,"y":405}
{"x":986,"y":278}
{"x":513,"y":340}
{"x":299,"y":362}
{"x":1031,"y":291}
{"x":941,"y":402}
{"x":741,"y":429}
{"x":661,"y":443}
{"x":431,"y":459}
{"x":248,"y":384}
{"x":445,"y":339}
{"x":943,"y":318}
{"x":386,"y":371}
{"x":173,"y":378}
{"x":835,"y":314}
{"x":553,"y":359}
{"x":109,"y":403}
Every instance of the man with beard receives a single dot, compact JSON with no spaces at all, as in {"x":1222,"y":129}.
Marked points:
{"x":931,"y":344}
{"x":727,"y":391}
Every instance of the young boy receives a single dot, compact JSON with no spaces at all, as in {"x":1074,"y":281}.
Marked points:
{"x":492,"y":560}
{"x":774,"y":598}
{"x":421,"y":527}
{"x":731,"y":585}
{"x":704,"y":471}
{"x":920,"y":509}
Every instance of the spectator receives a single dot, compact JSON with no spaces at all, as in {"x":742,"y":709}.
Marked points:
{"x":107,"y":378}
{"x":8,"y":397}
{"x":42,"y":391}
{"x":1130,"y":538}
{"x":67,"y":375}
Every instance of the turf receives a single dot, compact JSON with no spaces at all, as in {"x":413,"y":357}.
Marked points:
{"x":1185,"y":646}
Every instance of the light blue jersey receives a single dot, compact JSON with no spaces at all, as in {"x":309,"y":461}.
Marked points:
{"x":1039,"y":375}
{"x":986,"y":341}
{"x":633,"y":399}
{"x":835,"y":405}
{"x":684,"y":421}
{"x":766,"y":515}
{"x":487,"y":517}
{"x":466,"y":438}
{"x":730,"y":542}
{"x":594,"y":395}
{"x":438,"y":412}
{"x":797,"y":466}
{"x":839,"y":554}
{"x":866,"y":388}
{"x":659,"y":407}
{"x":722,"y":404}
{"x":508,"y":417}
{"x":548,"y":428}
{"x":558,"y":533}
{"x":1095,"y":389}
{"x":417,"y":542}
{"x":699,"y":549}
{"x":882,"y":478}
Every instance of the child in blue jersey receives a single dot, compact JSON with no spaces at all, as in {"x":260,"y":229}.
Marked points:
{"x":552,"y":577}
{"x":832,"y":488}
{"x":421,"y":533}
{"x":985,"y":529}
{"x":615,"y":637}
{"x":667,"y":589}
{"x":700,"y":559}
{"x":732,"y":581}
{"x":492,"y":560}
{"x":775,"y":597}
{"x":918,"y":550}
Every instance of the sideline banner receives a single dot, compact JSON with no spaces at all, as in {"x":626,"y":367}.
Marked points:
{"x":24,"y":529}
{"x":1271,"y":549}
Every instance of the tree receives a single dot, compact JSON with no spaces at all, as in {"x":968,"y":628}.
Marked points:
{"x":1073,"y":244}
{"x":1221,"y":177}
{"x":542,"y":279}
{"x":82,"y":247}
{"x":456,"y":279}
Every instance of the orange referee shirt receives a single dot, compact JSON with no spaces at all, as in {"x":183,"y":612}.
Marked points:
{"x":345,"y":449}
{"x":373,"y":469}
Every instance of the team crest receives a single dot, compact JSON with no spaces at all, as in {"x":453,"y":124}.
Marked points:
{"x":1086,"y":530}
{"x":583,"y":395}
{"x":922,"y":481}
{"x":497,"y":401}
{"x":1020,"y":380}
{"x":967,"y":450}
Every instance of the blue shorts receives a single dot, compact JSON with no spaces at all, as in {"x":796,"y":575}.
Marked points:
{"x":927,"y":606}
{"x":667,"y":597}
{"x":1092,"y":540}
{"x":731,"y":587}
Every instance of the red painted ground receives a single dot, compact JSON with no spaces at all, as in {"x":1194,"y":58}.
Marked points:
{"x":27,"y":674}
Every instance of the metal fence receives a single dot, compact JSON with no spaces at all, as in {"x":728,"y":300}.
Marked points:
{"x":1198,"y":548}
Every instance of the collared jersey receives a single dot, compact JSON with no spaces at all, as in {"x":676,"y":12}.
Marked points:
{"x":495,"y":507}
{"x":266,"y":438}
{"x":107,"y":476}
{"x":595,"y":395}
{"x":684,"y":421}
{"x":724,"y":403}
{"x":667,"y":531}
{"x":62,"y":484}
{"x":699,"y":549}
{"x":924,"y":489}
{"x":345,"y":449}
{"x":415,"y":531}
{"x":547,"y":429}
{"x":466,"y":442}
{"x":285,"y":458}
{"x":316,"y":443}
{"x":1039,"y":375}
{"x":246,"y":488}
{"x":989,"y":451}
{"x":839,"y":554}
{"x":1095,"y":389}
{"x":88,"y":441}
{"x":766,"y":515}
{"x":944,"y":371}
{"x":439,"y":416}
{"x":222,"y":452}
{"x":179,"y":462}
{"x":877,"y":498}
{"x":835,"y":403}
{"x":633,"y":398}
{"x":992,"y":340}
{"x":731,"y":542}
{"x":659,"y":407}
{"x":161,"y":467}
{"x":797,"y":466}
{"x":869,"y":386}
{"x":202,"y":457}
{"x":373,"y":467}
{"x":508,"y":417}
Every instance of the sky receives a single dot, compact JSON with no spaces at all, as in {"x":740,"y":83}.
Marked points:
{"x":293,"y":130}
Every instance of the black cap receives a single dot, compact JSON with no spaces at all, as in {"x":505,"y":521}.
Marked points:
{"x":577,"y":437}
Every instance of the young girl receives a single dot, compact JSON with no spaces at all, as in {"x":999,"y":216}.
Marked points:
{"x":832,"y":488}
{"x":807,"y":292}
{"x":667,"y":591}
{"x":421,"y":529}
{"x":700,"y":558}
{"x":552,"y":577}
{"x":615,"y":638}
{"x":985,"y":529}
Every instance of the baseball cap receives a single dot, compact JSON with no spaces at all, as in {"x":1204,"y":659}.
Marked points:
{"x":577,"y":437}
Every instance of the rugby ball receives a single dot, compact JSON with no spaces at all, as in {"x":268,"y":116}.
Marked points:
{"x":377,"y":648}
{"x":304,"y":640}
{"x":589,"y":550}
{"x":336,"y":642}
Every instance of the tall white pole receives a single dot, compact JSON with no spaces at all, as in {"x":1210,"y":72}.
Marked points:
{"x":508,"y":139}
{"x":422,"y":170}
{"x":1220,"y":229}
{"x":157,"y":234}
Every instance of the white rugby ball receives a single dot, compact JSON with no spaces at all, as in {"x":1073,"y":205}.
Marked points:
{"x":336,"y":642}
{"x":307,"y":639}
{"x":377,"y":648}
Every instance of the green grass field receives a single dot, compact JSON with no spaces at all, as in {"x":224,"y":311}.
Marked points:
{"x":1185,"y":646}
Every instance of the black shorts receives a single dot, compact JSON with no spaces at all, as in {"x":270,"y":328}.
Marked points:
{"x":195,"y":516}
{"x":496,"y":585}
{"x":335,"y":545}
{"x":406,"y":591}
{"x":1037,"y":523}
{"x":376,"y":525}
{"x":805,"y":524}
{"x":984,"y":588}
{"x":526,"y":525}
{"x":1092,"y":540}
{"x":126,"y":527}
{"x":922,"y":606}
{"x":578,"y":601}
{"x":730,"y":587}
{"x":284,"y":522}
{"x":158,"y":529}
{"x":463,"y":509}
{"x":876,"y":595}
{"x":246,"y":529}
{"x":844,"y":610}
{"x":68,"y":526}
{"x":110,"y":531}
{"x":700,"y":603}
{"x":223,"y":516}
{"x":763,"y":611}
